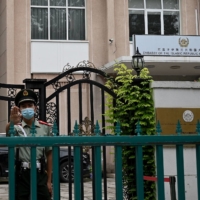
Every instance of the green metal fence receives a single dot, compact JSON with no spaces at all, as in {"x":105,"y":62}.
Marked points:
{"x":108,"y":140}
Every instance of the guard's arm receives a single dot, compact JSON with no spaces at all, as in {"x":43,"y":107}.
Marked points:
{"x":7,"y":128}
{"x":15,"y":117}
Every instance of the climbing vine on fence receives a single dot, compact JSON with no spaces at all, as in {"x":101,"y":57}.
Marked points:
{"x":134,"y":103}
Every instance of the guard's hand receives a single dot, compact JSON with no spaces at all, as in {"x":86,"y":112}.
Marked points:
{"x":49,"y":185}
{"x":15,"y":115}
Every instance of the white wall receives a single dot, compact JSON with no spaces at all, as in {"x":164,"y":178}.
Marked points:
{"x":131,"y":48}
{"x":189,"y":170}
{"x":51,"y":57}
{"x":176,"y":94}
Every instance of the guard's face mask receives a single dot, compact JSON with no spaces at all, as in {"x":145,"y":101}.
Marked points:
{"x":28,"y":113}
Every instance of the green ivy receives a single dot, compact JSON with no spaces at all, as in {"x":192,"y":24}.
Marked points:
{"x":134,"y":103}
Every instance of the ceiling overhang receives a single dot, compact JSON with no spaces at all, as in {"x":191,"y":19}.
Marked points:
{"x":161,"y":65}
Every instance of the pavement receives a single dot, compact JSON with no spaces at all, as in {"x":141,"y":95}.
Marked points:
{"x":64,"y":190}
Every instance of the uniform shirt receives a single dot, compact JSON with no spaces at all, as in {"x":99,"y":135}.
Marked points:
{"x":42,"y":129}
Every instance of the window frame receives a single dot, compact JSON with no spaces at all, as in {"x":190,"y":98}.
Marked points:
{"x":161,"y":19}
{"x":162,"y":10}
{"x":48,"y":7}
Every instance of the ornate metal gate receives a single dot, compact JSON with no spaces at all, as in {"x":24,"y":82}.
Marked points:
{"x":8,"y":95}
{"x":64,"y":98}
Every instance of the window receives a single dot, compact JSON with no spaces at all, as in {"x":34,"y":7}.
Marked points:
{"x":58,"y":19}
{"x":156,"y":17}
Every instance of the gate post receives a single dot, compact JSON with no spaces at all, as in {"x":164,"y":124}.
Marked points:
{"x":172,"y":181}
{"x":38,"y":84}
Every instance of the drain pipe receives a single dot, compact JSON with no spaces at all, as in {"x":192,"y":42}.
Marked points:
{"x":197,"y":22}
{"x":197,"y":18}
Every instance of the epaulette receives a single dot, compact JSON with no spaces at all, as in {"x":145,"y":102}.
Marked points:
{"x":45,"y":123}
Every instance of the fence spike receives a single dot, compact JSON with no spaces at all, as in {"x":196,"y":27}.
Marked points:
{"x":33,"y":129}
{"x":138,"y":129}
{"x":76,"y":129}
{"x":158,"y":128}
{"x":11,"y":129}
{"x":178,"y":128}
{"x":198,"y":128}
{"x":97,"y":128}
{"x":118,"y":128}
{"x":55,"y":129}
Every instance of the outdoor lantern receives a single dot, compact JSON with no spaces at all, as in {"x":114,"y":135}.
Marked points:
{"x":137,"y":62}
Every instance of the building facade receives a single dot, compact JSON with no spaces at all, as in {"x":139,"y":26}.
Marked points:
{"x":39,"y":37}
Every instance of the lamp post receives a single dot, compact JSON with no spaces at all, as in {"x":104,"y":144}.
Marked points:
{"x":137,"y":62}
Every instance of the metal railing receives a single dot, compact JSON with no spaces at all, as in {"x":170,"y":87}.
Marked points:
{"x":107,"y":140}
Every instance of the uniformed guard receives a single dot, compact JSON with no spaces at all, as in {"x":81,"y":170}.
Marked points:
{"x":22,"y":115}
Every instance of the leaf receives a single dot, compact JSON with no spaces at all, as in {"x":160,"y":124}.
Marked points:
{"x":133,"y":103}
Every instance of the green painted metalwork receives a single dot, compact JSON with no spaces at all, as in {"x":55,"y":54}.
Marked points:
{"x":109,"y":140}
{"x":33,"y":129}
{"x":139,"y":172}
{"x":118,"y":166}
{"x":33,"y":174}
{"x":180,"y":171}
{"x":160,"y":166}
{"x":77,"y":173}
{"x":11,"y":129}
{"x":158,"y":128}
{"x":198,"y":167}
{"x":180,"y":165}
{"x":118,"y":173}
{"x":118,"y":129}
{"x":56,"y":182}
{"x":97,"y":129}
{"x":77,"y":166}
{"x":76,"y":130}
{"x":160,"y":172}
{"x":33,"y":166}
{"x":178,"y":128}
{"x":198,"y":127}
{"x":97,"y":141}
{"x":97,"y":166}
{"x":56,"y":188}
{"x":11,"y":163}
{"x":55,"y":129}
{"x":97,"y":173}
{"x":138,"y":129}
